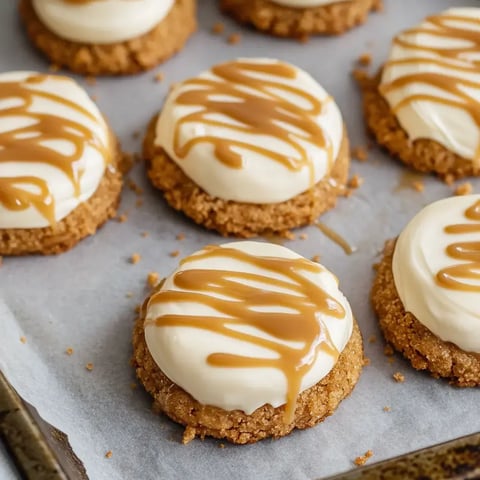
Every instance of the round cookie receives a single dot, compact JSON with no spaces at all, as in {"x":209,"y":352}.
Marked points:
{"x":426,"y":291}
{"x":261,"y":386}
{"x":423,"y":105}
{"x":140,"y":34}
{"x":263,"y":163}
{"x":61,"y":170}
{"x":301,"y":18}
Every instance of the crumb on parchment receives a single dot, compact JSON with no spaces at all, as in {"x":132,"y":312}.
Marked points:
{"x":175,"y":253}
{"x":180,"y":237}
{"x":89,"y":366}
{"x":388,"y":350}
{"x":122,"y":218}
{"x":152,"y":279}
{"x":399,"y":377}
{"x":362,"y":460}
{"x":387,"y":409}
{"x":360,"y":153}
{"x":23,"y":339}
{"x":464,"y":189}
{"x":356,"y":181}
{"x":372,"y":339}
{"x":108,"y":454}
{"x":69,"y":351}
{"x":218,"y":28}
{"x":135,"y":258}
{"x":234,"y":38}
{"x":365,"y":59}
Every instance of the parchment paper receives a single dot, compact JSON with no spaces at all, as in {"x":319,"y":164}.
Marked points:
{"x":79,"y":299}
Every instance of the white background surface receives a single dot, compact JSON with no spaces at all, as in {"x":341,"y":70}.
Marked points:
{"x":79,"y":299}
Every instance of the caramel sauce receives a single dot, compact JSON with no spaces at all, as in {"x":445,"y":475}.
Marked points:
{"x":466,"y":252}
{"x":336,"y":237}
{"x":450,"y":84}
{"x":255,"y":106}
{"x":242,"y":305}
{"x":27,"y":144}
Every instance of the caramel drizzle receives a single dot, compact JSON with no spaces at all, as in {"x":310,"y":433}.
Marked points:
{"x":299,"y":324}
{"x":27,"y":144}
{"x":466,"y":252}
{"x":449,"y":83}
{"x":257,"y":107}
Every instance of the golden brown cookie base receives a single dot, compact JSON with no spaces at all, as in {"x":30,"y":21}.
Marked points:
{"x":423,"y":155}
{"x":131,"y":56}
{"x":417,"y":343}
{"x":243,"y":219}
{"x":80,"y":223}
{"x":285,"y":21}
{"x":313,"y":405}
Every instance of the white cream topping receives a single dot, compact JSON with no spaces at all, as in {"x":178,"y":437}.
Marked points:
{"x":261,"y":179}
{"x":420,"y":254}
{"x":181,"y":352}
{"x":451,"y":126}
{"x":102,"y":21}
{"x":61,"y":188}
{"x":306,"y":3}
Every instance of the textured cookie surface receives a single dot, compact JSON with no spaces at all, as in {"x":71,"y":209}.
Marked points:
{"x":242,"y":219}
{"x":128,"y":57}
{"x":418,"y":344}
{"x":300,"y":22}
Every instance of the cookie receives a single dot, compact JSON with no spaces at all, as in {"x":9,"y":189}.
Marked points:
{"x":214,"y":348}
{"x":108,"y":38}
{"x":427,"y":289}
{"x":423,"y":105}
{"x":301,"y":18}
{"x":264,"y":163}
{"x":60,"y":170}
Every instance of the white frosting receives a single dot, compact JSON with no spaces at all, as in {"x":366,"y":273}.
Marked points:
{"x":306,"y":3}
{"x":451,"y":126}
{"x":261,"y":179}
{"x":60,"y":185}
{"x":420,"y":254}
{"x":181,"y":352}
{"x":102,"y":21}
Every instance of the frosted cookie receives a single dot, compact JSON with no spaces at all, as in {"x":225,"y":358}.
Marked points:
{"x":59,"y":164}
{"x":300,"y":18}
{"x":424,"y":105}
{"x":427,"y":290}
{"x":108,"y":36}
{"x":246,"y":341}
{"x":249,"y":147}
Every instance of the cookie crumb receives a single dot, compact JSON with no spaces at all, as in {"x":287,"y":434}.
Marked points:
{"x":145,"y":234}
{"x":23,"y":339}
{"x":234,"y":39}
{"x":188,"y":435}
{"x":316,"y":258}
{"x":218,"y":28}
{"x":129,"y":294}
{"x":399,"y":377}
{"x":139,"y":202}
{"x":133,"y":386}
{"x":289,"y":235}
{"x":69,"y":351}
{"x":89,"y":366}
{"x":356,"y":181}
{"x":221,"y":445}
{"x":91,"y":80}
{"x":134,"y":187}
{"x":362,"y":460}
{"x":387,"y":409}
{"x":175,"y":253}
{"x":303,"y":236}
{"x":122,"y":218}
{"x":365,"y":59}
{"x":109,"y":454}
{"x":464,"y":189}
{"x":418,"y":186}
{"x":305,"y":38}
{"x":391,"y":360}
{"x":180,"y":237}
{"x":153,"y":279}
{"x":360,"y":153}
{"x":135,"y":258}
{"x":372,"y":339}
{"x":359,"y":75}
{"x":388,"y":350}
{"x":366,"y":362}
{"x":159,"y":77}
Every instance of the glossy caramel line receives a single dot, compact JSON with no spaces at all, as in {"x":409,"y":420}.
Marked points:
{"x":28,"y":144}
{"x":242,"y":298}
{"x":256,"y":106}
{"x":454,"y":83}
{"x":468,"y":253}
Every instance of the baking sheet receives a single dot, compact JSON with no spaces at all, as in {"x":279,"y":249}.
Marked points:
{"x":80,"y":299}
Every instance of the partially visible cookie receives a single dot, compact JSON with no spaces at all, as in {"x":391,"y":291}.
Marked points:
{"x":60,"y":168}
{"x":273,"y":159}
{"x":301,"y":18}
{"x":112,"y":38}
{"x":213,"y":344}
{"x":423,"y":105}
{"x":427,"y":291}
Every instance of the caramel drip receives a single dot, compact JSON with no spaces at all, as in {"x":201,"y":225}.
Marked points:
{"x":245,"y":305}
{"x":27,"y":144}
{"x":466,"y":252}
{"x":451,"y":83}
{"x":336,"y":238}
{"x":256,"y":106}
